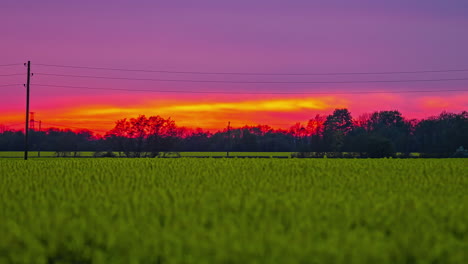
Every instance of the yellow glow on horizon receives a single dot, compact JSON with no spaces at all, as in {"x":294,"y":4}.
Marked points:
{"x":279,"y":105}
{"x":282,"y":105}
{"x":207,"y":115}
{"x":213,"y":113}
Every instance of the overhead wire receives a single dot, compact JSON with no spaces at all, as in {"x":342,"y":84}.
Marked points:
{"x":13,"y":124}
{"x":13,"y":74}
{"x":5,"y":85}
{"x":52,"y":125}
{"x":266,"y":93}
{"x":65,"y":126}
{"x":250,"y":82}
{"x":250,"y":73}
{"x":9,"y":65}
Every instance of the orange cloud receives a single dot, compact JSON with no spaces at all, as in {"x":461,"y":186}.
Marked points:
{"x":208,"y":115}
{"x":282,"y":105}
{"x":439,"y":102}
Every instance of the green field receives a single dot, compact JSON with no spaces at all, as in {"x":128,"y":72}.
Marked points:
{"x":233,"y":211}
{"x":35,"y":154}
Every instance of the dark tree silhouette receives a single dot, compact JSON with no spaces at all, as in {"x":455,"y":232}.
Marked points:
{"x":336,"y":127}
{"x":392,"y":126}
{"x":442,"y":134}
{"x":377,"y":135}
{"x":142,"y":136}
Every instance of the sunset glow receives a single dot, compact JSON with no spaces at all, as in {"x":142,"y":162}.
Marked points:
{"x":294,"y":41}
{"x":215,"y":113}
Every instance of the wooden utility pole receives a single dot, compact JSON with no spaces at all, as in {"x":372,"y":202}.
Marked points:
{"x":26,"y":129}
{"x":229,"y":138}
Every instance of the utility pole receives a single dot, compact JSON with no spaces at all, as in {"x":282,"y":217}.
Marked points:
{"x":26,"y":129}
{"x":229,"y":138}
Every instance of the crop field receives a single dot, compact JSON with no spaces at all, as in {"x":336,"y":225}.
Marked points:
{"x":233,"y":211}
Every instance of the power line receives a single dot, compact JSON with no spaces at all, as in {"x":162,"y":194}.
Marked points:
{"x":50,"y":124}
{"x":252,"y":82}
{"x":8,"y":65}
{"x":14,"y":124}
{"x":215,"y":92}
{"x":5,"y":85}
{"x":22,"y":123}
{"x":251,"y":73}
{"x":13,"y":74}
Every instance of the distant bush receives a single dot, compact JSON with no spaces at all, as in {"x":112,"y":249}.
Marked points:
{"x":380,"y":147}
{"x":64,"y":154}
{"x":106,"y":154}
{"x":171,"y":154}
{"x":461,"y":152}
{"x":435,"y":155}
{"x":319,"y":155}
{"x":302,"y":155}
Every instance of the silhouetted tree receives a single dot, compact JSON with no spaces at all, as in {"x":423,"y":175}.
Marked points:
{"x":442,"y":134}
{"x":391,"y":125}
{"x":376,"y":134}
{"x":316,"y":126}
{"x":142,"y":136}
{"x":336,"y":127}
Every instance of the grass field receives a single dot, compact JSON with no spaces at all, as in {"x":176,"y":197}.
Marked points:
{"x":233,"y":211}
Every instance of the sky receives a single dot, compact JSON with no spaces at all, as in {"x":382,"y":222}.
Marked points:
{"x":242,"y":36}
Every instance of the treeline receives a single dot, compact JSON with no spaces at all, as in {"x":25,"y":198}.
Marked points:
{"x":375,"y":135}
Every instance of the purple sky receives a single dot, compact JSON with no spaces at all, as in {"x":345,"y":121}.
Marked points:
{"x":234,"y":36}
{"x":246,"y":35}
